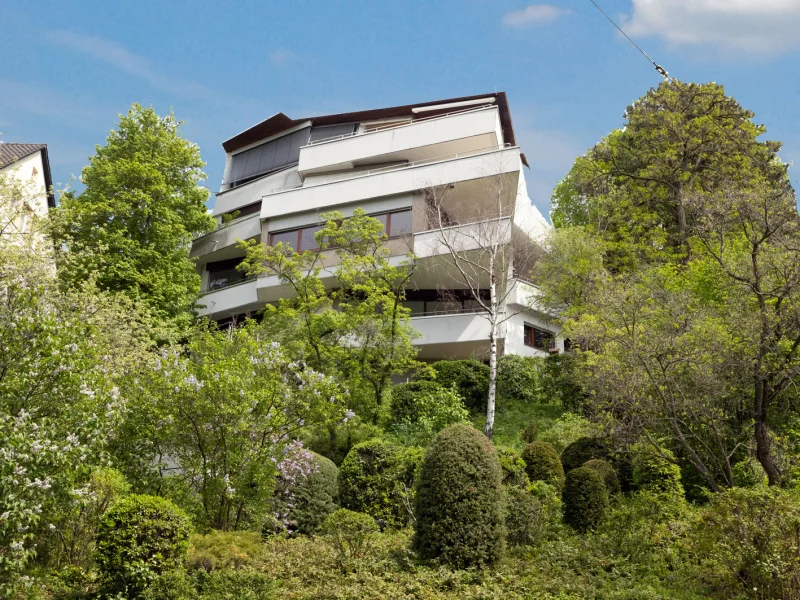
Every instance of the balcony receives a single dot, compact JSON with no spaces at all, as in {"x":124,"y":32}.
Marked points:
{"x":226,"y":236}
{"x":240,"y":297}
{"x":389,"y":181}
{"x":463,"y":238}
{"x":421,"y":139}
{"x":252,"y":191}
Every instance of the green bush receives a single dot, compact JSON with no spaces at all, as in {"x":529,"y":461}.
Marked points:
{"x":529,"y":434}
{"x":429,"y":412}
{"x":525,"y":518}
{"x":404,"y":399}
{"x":335,"y":441}
{"x":470,"y":377}
{"x":560,"y":380}
{"x":518,"y":378}
{"x":542,"y":464}
{"x":585,"y":499}
{"x":583,"y":449}
{"x":139,"y":538}
{"x":653,"y":470}
{"x":513,"y":468}
{"x":567,"y":429}
{"x":349,"y":532}
{"x":459,"y":505}
{"x":315,"y":496}
{"x":607,"y":472}
{"x":377,"y":478}
{"x":224,"y":550}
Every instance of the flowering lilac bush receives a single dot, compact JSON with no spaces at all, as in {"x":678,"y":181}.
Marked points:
{"x":224,"y":417}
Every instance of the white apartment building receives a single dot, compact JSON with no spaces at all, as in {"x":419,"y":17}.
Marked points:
{"x":282,"y":173}
{"x":26,"y":168}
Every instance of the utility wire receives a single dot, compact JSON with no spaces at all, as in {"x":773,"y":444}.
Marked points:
{"x":658,"y":67}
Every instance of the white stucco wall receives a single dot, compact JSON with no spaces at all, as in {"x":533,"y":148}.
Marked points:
{"x":29,"y":172}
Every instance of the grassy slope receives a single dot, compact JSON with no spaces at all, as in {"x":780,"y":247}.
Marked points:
{"x":513,"y":416}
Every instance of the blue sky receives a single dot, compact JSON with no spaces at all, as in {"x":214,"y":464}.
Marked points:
{"x":68,"y":68}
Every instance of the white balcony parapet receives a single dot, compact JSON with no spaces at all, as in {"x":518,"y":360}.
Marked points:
{"x":232,"y":299}
{"x":226,"y":235}
{"x":463,"y":238}
{"x":453,"y":132}
{"x":388,"y":181}
{"x":450,"y":328}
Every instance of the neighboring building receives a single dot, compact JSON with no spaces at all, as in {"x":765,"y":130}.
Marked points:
{"x":282,"y":173}
{"x":28,"y":169}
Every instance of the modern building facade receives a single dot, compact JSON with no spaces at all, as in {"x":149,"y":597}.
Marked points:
{"x":283,"y":173}
{"x":26,"y":169}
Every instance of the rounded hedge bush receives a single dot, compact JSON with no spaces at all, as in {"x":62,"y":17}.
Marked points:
{"x":525,"y":518}
{"x":470,"y":377}
{"x":518,"y":378}
{"x":315,"y":496}
{"x":404,"y":396}
{"x":583,"y":449}
{"x":654,"y":471}
{"x":139,"y":538}
{"x":607,"y":472}
{"x":376,"y":478}
{"x":585,"y":499}
{"x":543,"y":464}
{"x":459,"y":503}
{"x":513,"y":468}
{"x":529,"y":433}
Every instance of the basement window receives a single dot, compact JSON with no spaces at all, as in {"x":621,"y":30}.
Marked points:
{"x":539,"y":338}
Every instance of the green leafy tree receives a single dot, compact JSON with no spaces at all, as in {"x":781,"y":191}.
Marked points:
{"x":131,"y":227}
{"x":679,"y":140}
{"x":354,"y":328}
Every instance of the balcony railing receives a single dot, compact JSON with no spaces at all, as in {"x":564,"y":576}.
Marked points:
{"x":389,"y":169}
{"x":451,"y":311}
{"x":398,"y":125}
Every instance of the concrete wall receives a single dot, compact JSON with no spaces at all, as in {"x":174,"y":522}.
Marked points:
{"x":34,"y":190}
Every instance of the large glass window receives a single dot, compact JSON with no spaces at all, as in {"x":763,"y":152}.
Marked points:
{"x":307,"y":240}
{"x":539,"y":338}
{"x":400,"y":223}
{"x":224,"y":272}
{"x":287,"y":237}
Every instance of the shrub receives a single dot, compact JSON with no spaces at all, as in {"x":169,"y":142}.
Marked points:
{"x":224,"y":550}
{"x":529,"y":433}
{"x":542,"y":464}
{"x":315,"y":496}
{"x":567,"y":429}
{"x":513,"y":468}
{"x":139,"y":538}
{"x":751,"y":537}
{"x":607,"y":472}
{"x":428,"y":413}
{"x":348,"y":532}
{"x":518,"y":378}
{"x":560,"y":380}
{"x":654,"y":471}
{"x":583,"y":449}
{"x":526,"y":522}
{"x":470,"y":377}
{"x":585,"y":499}
{"x":404,"y":399}
{"x":459,"y":506}
{"x":335,"y":441}
{"x":377,"y":478}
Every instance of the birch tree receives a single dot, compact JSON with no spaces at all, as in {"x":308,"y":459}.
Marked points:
{"x":484,"y":251}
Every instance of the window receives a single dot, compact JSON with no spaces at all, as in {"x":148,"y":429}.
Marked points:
{"x":307,"y":240}
{"x":267,"y":157}
{"x":224,"y":272}
{"x":287,"y":237}
{"x":539,"y":338}
{"x":399,"y":223}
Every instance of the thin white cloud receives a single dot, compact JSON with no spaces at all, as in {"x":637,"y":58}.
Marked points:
{"x":764,"y":27}
{"x":110,"y":52}
{"x":279,"y":58}
{"x":534,"y":15}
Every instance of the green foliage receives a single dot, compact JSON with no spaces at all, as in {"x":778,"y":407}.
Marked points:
{"x":377,"y":478}
{"x":583,"y":449}
{"x":459,"y":508}
{"x":585,"y":499}
{"x":219,"y":550}
{"x":359,"y":332}
{"x":223,"y":409}
{"x":568,"y":429}
{"x":335,"y":440}
{"x":138,"y":538}
{"x":607,"y":472}
{"x":518,"y":378}
{"x":543,"y":464}
{"x":524,"y":518}
{"x":751,"y":538}
{"x":513,"y":468}
{"x":140,"y":209}
{"x":529,"y":433}
{"x":349,"y":533}
{"x":654,"y":469}
{"x":315,"y":496}
{"x":562,"y":381}
{"x":470,"y":377}
{"x":428,"y":409}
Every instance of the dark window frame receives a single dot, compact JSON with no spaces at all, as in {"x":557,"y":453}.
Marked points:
{"x":532,"y":336}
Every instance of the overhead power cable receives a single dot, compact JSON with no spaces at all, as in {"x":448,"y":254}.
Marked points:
{"x":658,"y":67}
